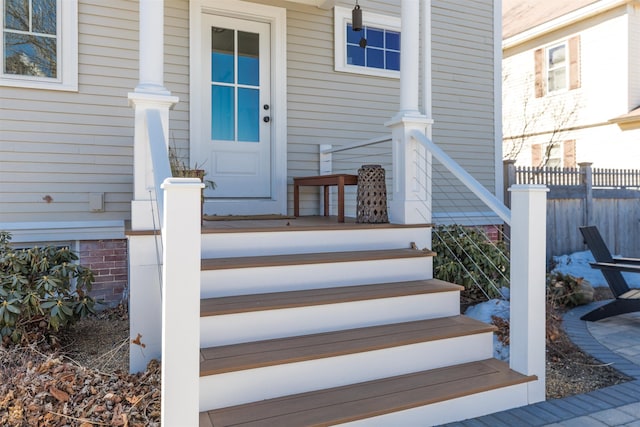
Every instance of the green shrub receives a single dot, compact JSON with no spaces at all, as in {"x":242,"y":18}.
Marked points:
{"x":467,"y":257}
{"x":41,"y":284}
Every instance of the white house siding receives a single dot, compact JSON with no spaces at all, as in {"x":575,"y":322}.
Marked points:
{"x":607,"y":59}
{"x":57,"y":147}
{"x":634,"y":57}
{"x":463,"y":98}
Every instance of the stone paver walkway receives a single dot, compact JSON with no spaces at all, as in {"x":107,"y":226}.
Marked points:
{"x":615,"y":341}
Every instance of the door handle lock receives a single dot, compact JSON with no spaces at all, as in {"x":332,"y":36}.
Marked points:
{"x":266,"y":119}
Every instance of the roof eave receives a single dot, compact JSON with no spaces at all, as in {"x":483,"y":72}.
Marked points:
{"x":563,"y":21}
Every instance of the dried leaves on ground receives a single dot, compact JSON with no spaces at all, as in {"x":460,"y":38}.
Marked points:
{"x":83,"y":383}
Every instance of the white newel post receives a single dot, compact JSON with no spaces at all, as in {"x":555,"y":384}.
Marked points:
{"x":142,"y":217}
{"x":181,"y":302}
{"x":528,"y":270}
{"x":149,"y":93}
{"x":411,"y":170}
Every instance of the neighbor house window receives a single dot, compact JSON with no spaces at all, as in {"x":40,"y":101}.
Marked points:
{"x":557,"y":67}
{"x":555,"y":154}
{"x":39,"y":44}
{"x":380,"y":56}
{"x":557,"y":71}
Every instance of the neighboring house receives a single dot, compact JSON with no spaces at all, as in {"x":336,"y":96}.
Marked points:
{"x":571,"y":83}
{"x":93,"y":93}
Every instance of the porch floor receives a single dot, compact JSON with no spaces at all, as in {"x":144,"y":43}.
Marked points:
{"x":303,"y":223}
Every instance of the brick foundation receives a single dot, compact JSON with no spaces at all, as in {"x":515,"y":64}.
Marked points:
{"x":108,"y":261}
{"x":495,"y":233}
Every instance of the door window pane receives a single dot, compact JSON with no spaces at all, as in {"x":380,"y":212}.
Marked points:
{"x":222,"y":113}
{"x":235,"y":91}
{"x":248,"y":58}
{"x":222,"y":55}
{"x":248,"y":115}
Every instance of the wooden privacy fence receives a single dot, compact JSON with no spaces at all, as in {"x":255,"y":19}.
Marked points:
{"x":606,"y":198}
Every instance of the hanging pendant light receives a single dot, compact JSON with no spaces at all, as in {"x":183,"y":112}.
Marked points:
{"x":356,"y":18}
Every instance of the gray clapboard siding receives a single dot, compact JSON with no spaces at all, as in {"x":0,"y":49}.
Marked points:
{"x":66,"y":145}
{"x":463,"y":98}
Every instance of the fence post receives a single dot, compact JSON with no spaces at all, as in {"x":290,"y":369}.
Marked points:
{"x":181,"y":302}
{"x":509,"y":176}
{"x":587,"y":181}
{"x":528,"y":268}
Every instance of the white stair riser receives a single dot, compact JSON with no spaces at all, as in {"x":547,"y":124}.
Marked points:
{"x":220,"y":245}
{"x":217,"y":391}
{"x":243,"y":281}
{"x":462,"y":408}
{"x":270,"y":324}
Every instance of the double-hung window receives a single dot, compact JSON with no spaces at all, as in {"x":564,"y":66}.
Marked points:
{"x":374,"y":50}
{"x":557,"y":67}
{"x":39,"y":44}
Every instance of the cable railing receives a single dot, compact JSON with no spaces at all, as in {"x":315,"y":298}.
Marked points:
{"x":471,"y":236}
{"x":469,"y":255}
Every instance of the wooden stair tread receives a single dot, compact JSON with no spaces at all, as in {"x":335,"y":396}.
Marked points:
{"x":302,"y":298}
{"x":311,"y":258}
{"x":372,"y":398}
{"x":236,"y":357}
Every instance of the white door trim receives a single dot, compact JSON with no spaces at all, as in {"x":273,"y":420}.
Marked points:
{"x":277,"y":17}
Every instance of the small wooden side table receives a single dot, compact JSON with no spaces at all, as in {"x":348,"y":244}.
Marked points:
{"x":325,"y":181}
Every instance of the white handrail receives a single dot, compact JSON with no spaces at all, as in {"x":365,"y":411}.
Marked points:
{"x":472,"y":184}
{"x":357,"y":144}
{"x":159,"y":156}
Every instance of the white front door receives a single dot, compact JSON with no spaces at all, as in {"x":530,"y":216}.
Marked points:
{"x":235,"y":137}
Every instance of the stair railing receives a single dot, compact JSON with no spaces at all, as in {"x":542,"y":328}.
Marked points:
{"x":527,"y":219}
{"x":178,"y":204}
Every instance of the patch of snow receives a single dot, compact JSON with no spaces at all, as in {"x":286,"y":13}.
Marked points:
{"x":577,"y":265}
{"x":483,"y":313}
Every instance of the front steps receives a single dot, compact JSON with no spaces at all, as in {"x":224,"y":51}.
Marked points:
{"x":417,"y":399}
{"x":301,"y":332}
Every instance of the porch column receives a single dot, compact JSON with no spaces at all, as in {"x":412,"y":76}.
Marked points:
{"x":149,"y":93}
{"x":411,"y":202}
{"x":528,"y":266}
{"x":151,"y":67}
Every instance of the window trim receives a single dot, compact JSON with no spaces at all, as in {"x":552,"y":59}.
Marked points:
{"x":342,"y":17}
{"x":67,"y":79}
